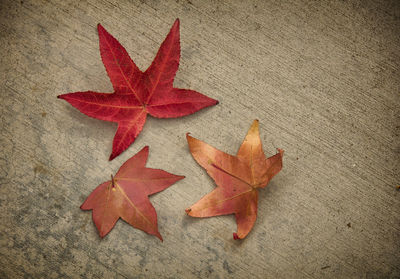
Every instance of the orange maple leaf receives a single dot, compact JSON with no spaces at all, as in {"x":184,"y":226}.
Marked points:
{"x":237,"y":178}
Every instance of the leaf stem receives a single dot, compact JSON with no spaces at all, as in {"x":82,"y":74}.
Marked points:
{"x":112,"y":181}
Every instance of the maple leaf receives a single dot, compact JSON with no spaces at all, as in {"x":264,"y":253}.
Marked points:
{"x":126,"y":196}
{"x":237,"y":178}
{"x":138,"y":93}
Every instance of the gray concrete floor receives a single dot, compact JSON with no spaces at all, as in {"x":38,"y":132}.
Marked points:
{"x":323,"y":79}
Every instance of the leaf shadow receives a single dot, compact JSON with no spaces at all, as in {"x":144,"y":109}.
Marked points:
{"x":183,"y":119}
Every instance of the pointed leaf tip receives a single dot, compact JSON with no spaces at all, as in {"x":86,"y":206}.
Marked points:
{"x":63,"y":96}
{"x":102,"y":234}
{"x":187,"y":210}
{"x":235,"y":236}
{"x":179,"y":177}
{"x":281,"y":151}
{"x":101,"y":29}
{"x":112,"y":156}
{"x":175,"y":26}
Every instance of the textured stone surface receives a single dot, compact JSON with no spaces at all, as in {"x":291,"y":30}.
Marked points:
{"x":323,"y":79}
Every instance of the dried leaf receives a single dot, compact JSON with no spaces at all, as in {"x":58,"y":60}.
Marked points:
{"x":237,"y":178}
{"x":126,"y":196}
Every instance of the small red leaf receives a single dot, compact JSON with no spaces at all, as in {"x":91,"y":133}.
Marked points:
{"x":137,"y":93}
{"x":126,"y":196}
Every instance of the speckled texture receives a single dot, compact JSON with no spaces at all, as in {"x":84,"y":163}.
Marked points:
{"x":323,"y":79}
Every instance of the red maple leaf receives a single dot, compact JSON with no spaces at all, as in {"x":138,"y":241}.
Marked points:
{"x":126,"y":196}
{"x":237,"y":177}
{"x":138,"y":93}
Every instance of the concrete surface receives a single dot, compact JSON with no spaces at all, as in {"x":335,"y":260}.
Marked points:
{"x":321,"y":76}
